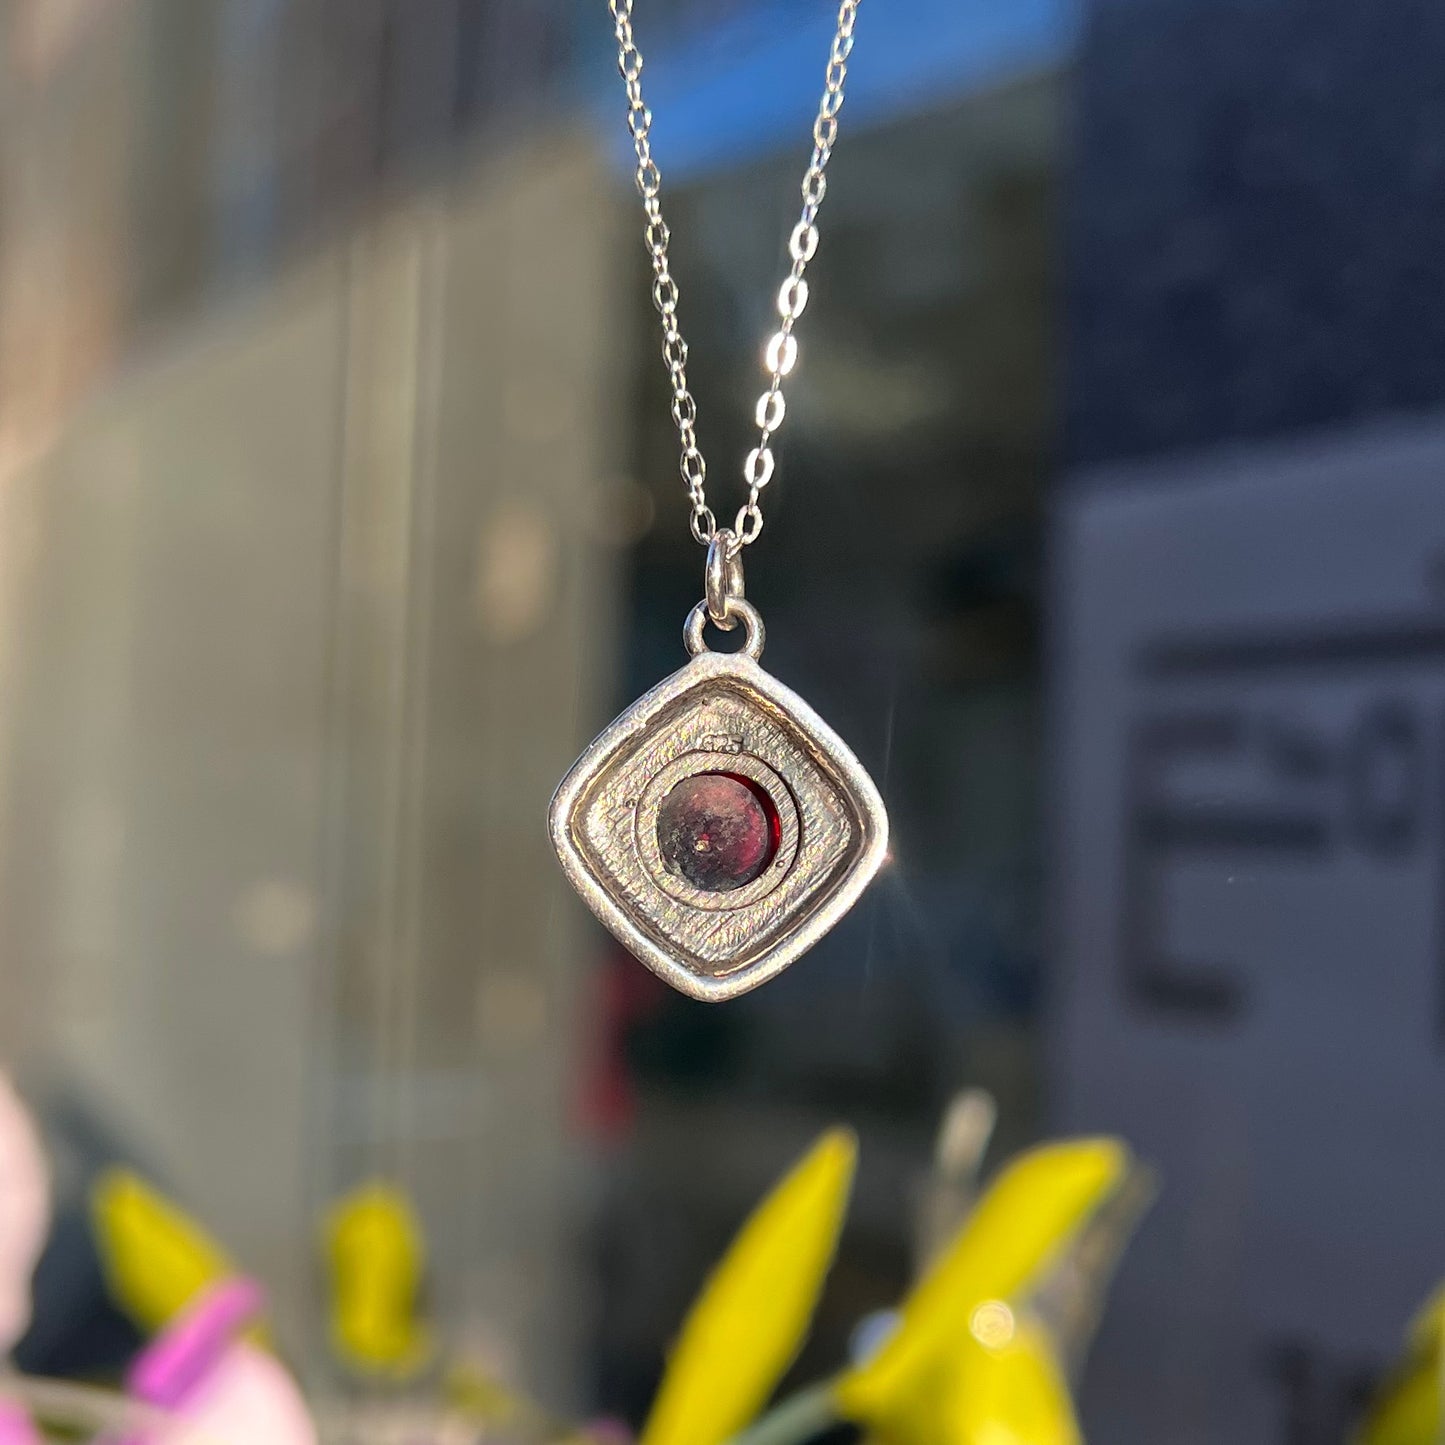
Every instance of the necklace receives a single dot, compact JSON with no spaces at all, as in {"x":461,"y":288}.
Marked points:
{"x":719,"y":827}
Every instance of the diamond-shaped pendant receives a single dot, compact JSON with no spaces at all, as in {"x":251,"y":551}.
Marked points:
{"x":719,"y":827}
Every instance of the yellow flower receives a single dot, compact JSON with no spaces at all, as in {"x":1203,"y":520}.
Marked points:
{"x":961,"y":1341}
{"x":377,"y":1256}
{"x":746,"y":1326}
{"x":1427,"y":1329}
{"x":1407,"y":1411}
{"x":155,"y":1257}
{"x":1011,"y":1392}
{"x":1410,"y":1408}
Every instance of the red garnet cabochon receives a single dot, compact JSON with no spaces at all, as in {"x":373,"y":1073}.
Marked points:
{"x":719,"y":831}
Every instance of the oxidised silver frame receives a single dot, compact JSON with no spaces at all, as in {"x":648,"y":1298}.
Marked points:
{"x":720,"y":709}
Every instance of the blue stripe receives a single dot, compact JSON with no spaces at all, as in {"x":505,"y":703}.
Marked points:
{"x":749,"y":86}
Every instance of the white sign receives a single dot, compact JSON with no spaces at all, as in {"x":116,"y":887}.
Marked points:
{"x":1249,"y":920}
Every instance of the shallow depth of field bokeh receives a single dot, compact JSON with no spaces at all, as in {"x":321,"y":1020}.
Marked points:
{"x":340,"y":507}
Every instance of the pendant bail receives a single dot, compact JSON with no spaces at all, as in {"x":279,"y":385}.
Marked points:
{"x":724,"y":578}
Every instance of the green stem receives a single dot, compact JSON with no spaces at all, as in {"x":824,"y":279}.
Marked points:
{"x":798,"y":1418}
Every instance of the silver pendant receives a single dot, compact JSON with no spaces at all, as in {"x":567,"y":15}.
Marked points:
{"x":719,"y":827}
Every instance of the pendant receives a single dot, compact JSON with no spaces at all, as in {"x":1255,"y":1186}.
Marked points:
{"x":719,"y":827}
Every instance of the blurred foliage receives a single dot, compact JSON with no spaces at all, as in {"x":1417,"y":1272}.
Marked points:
{"x":973,"y":1356}
{"x":967,"y":1364}
{"x":157,"y":1259}
{"x":1410,"y":1407}
{"x":752,"y":1316}
{"x":377,"y":1256}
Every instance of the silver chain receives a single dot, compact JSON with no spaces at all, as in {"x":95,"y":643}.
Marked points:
{"x":781,"y":353}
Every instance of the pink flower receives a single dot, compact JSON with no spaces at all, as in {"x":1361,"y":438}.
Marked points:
{"x":220,"y":1389}
{"x":24,"y":1213}
{"x":16,"y":1427}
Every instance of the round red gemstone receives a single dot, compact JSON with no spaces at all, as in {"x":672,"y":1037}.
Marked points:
{"x":717,"y":830}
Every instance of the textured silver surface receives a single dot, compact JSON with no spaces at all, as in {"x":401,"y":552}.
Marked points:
{"x":719,"y":711}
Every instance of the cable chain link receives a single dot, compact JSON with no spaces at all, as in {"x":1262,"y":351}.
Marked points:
{"x":781,"y":352}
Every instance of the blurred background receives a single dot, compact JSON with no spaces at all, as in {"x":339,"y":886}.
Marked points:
{"x":339,"y":509}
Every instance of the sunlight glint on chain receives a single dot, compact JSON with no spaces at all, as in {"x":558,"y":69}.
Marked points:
{"x":781,"y":352}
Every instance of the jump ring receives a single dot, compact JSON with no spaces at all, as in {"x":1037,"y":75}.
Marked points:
{"x":724,"y":576}
{"x":755,"y":633}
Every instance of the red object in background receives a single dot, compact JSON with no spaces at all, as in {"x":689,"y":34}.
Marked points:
{"x":624,"y":995}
